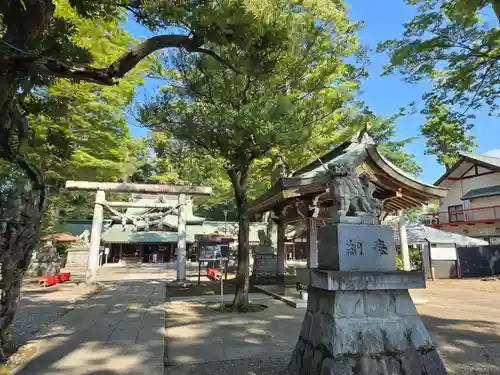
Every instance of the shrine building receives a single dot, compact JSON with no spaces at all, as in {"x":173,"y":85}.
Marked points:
{"x":133,"y":243}
{"x":301,"y":202}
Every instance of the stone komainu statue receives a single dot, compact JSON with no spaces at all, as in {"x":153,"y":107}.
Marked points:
{"x":353,"y":195}
{"x":280,"y":169}
{"x":264,"y":238}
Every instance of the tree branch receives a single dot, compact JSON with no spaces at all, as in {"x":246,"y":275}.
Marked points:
{"x":476,"y":92}
{"x":117,"y":70}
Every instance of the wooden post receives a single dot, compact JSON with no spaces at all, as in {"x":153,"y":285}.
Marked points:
{"x":403,"y":240}
{"x":181,"y":239}
{"x":312,"y":242}
{"x":281,"y":252}
{"x":95,"y":239}
{"x":121,"y":251}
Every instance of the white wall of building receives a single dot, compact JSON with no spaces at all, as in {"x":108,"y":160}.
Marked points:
{"x":461,"y":187}
{"x":489,"y":232}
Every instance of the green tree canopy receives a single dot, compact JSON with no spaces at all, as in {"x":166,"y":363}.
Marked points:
{"x":37,"y":46}
{"x":238,"y":118}
{"x":79,"y":130}
{"x":455,"y":43}
{"x":446,"y":134}
{"x":346,"y":123}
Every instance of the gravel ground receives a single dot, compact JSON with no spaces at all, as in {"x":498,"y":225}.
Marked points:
{"x":39,"y":307}
{"x":248,"y":366}
{"x":31,"y":319}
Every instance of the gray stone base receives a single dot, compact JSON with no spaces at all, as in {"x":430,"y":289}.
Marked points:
{"x":263,"y":280}
{"x":411,"y":362}
{"x":267,"y":280}
{"x":363,"y":333}
{"x":362,"y":280}
{"x":77,"y":258}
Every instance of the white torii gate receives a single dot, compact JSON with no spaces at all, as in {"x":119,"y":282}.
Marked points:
{"x":101,"y":187}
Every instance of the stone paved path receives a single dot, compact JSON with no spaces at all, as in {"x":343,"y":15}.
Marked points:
{"x":201,"y":340}
{"x":118,"y":331}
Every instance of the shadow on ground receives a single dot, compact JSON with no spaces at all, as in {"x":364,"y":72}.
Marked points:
{"x":466,"y":346}
{"x":118,"y":331}
{"x":200,"y":340}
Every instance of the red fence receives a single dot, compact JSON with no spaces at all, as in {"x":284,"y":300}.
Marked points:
{"x":468,"y":216}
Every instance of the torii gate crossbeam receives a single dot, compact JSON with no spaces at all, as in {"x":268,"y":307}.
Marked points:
{"x":101,"y":187}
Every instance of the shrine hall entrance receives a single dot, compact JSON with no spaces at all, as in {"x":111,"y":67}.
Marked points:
{"x":142,"y":253}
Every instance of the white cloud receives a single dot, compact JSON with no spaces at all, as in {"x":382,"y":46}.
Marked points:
{"x":495,"y":153}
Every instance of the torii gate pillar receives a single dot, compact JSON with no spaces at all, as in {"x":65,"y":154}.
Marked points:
{"x":95,"y":237}
{"x":181,"y":240}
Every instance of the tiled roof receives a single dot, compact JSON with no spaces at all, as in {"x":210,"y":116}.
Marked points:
{"x":76,"y":227}
{"x":421,"y":233}
{"x":489,"y":191}
{"x":483,"y":159}
{"x":115,"y":234}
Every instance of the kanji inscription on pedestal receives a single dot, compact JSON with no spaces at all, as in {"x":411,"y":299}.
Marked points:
{"x":354,"y":247}
{"x":361,"y":247}
{"x":380,"y":247}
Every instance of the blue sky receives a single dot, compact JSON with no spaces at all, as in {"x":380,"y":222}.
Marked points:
{"x":385,"y":95}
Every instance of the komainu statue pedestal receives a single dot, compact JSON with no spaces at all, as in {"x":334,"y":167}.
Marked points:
{"x":265,"y":262}
{"x":360,"y":318}
{"x":78,"y":254}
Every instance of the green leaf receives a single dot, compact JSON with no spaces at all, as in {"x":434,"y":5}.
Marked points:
{"x":450,"y":43}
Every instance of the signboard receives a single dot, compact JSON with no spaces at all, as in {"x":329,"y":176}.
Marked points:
{"x":443,"y":251}
{"x":209,"y":252}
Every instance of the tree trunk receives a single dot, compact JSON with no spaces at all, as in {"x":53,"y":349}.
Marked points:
{"x":22,"y":189}
{"x":239,"y":182}
{"x":21,"y":205}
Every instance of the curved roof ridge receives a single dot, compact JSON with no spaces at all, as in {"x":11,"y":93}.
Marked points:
{"x":475,"y":154}
{"x":404,"y":173}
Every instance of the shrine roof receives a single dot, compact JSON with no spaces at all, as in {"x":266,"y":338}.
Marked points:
{"x":394,"y":187}
{"x":116,"y":234}
{"x":419,"y":233}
